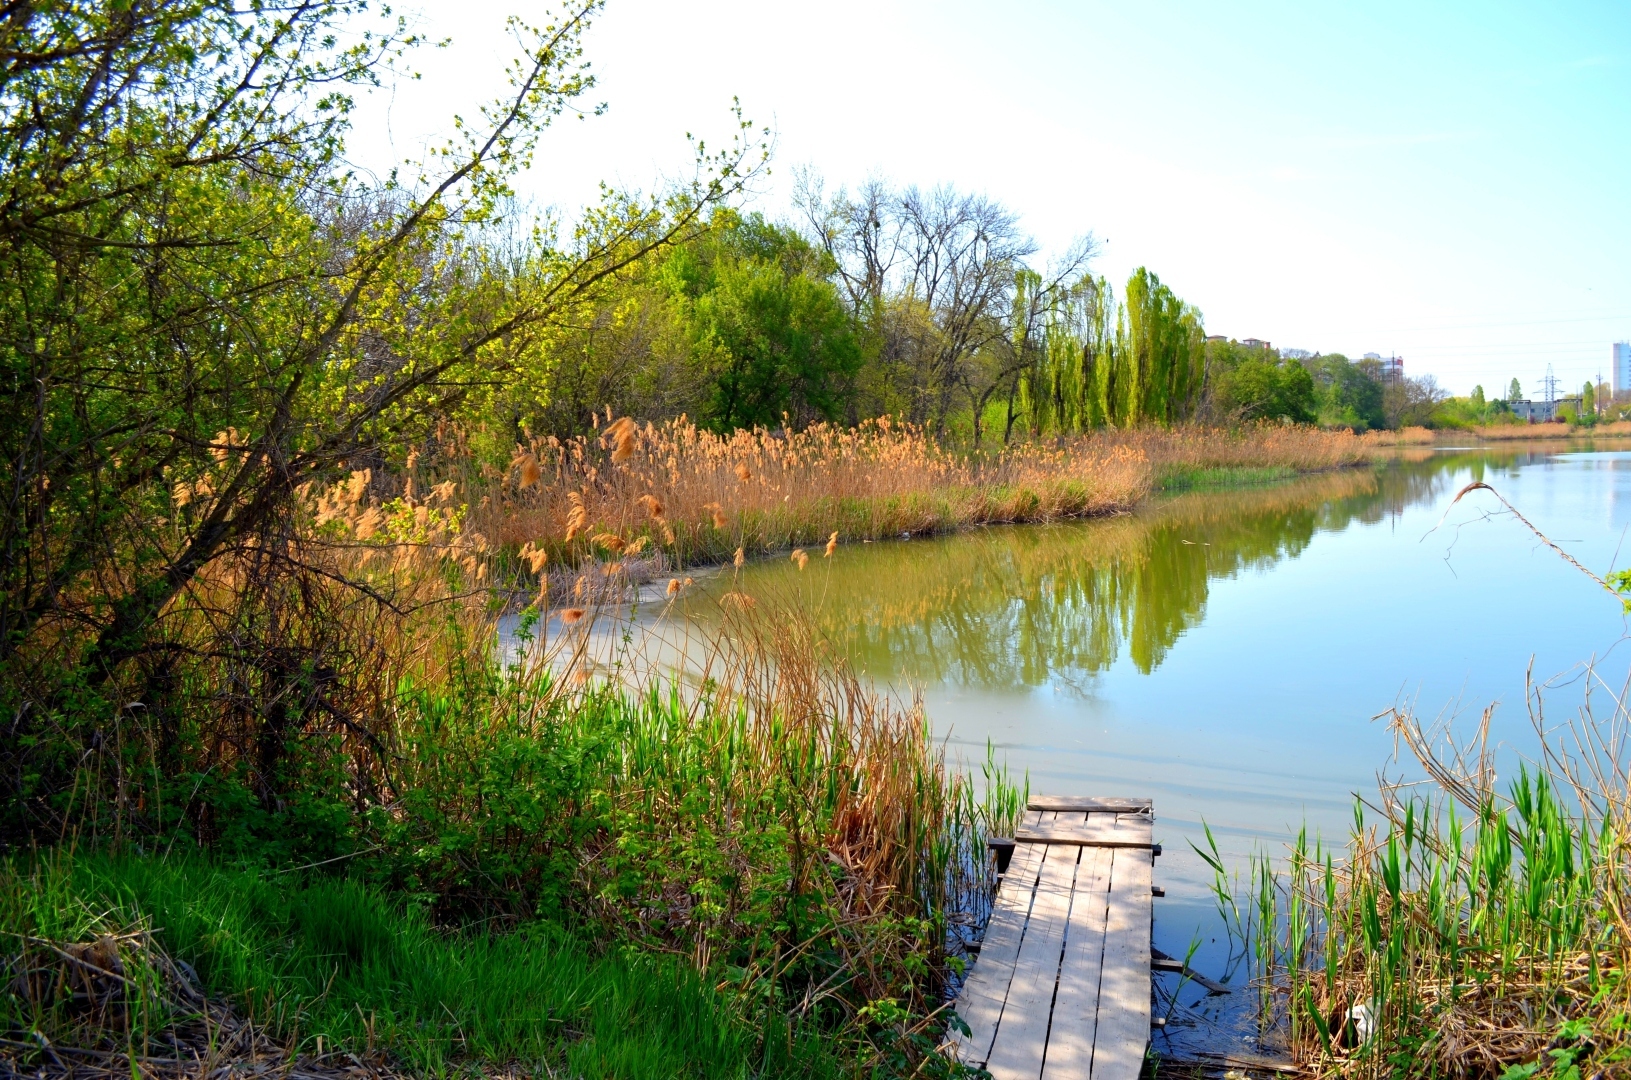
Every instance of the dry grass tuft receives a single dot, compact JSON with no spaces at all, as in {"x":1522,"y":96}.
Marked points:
{"x":123,"y":991}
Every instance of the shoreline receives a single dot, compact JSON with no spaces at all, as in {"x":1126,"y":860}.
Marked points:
{"x":641,"y":572}
{"x":702,"y":500}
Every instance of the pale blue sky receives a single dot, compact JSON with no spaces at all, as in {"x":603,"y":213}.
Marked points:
{"x":1445,"y":181}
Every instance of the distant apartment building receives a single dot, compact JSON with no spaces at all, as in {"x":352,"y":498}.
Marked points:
{"x":1544,"y":412}
{"x":1622,"y":367}
{"x":1534,"y":412}
{"x":1255,"y":343}
{"x":1390,"y":369}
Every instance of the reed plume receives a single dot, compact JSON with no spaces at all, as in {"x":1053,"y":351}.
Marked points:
{"x":701,"y":496}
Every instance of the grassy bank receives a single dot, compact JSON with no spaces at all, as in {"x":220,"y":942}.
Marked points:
{"x":329,"y":963}
{"x":1475,"y":930}
{"x":1198,"y":478}
{"x":725,"y":880}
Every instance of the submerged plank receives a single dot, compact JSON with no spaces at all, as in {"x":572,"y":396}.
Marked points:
{"x":1076,"y":1008}
{"x":1086,"y":803}
{"x":1097,"y":830}
{"x":1021,"y":1040}
{"x":1124,"y":987}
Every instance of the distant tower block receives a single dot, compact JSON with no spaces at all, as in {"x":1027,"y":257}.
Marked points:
{"x":1622,"y":367}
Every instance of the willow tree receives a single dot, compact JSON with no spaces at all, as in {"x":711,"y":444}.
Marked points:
{"x":1164,"y":357}
{"x":1100,"y":352}
{"x":1060,"y":388}
{"x":1096,"y":361}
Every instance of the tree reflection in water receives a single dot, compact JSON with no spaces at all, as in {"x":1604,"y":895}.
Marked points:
{"x":1025,"y":606}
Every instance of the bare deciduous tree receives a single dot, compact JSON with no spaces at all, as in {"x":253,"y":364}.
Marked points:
{"x":932,"y":276}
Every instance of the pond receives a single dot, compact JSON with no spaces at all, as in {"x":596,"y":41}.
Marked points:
{"x":1225,"y":653}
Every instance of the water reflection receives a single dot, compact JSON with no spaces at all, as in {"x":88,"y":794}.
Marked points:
{"x":1019,"y":607}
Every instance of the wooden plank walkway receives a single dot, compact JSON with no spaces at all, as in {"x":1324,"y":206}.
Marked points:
{"x":1061,"y":989}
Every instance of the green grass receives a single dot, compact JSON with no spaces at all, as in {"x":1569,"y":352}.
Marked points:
{"x":661,"y":829}
{"x":1200,"y":478}
{"x":331,"y":957}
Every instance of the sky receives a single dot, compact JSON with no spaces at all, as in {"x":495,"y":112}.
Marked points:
{"x":1444,"y":182}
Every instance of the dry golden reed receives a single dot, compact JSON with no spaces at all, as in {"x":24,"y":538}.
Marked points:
{"x":1619,"y":429}
{"x":702,"y":496}
{"x":1410,"y":436}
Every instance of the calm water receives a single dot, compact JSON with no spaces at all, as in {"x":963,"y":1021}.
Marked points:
{"x":1224,"y":652}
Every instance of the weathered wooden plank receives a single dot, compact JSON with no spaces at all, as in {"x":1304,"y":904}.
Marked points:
{"x":1076,"y":1007}
{"x":1085,"y":803}
{"x":1022,"y":1037}
{"x":1123,"y":1030}
{"x":1096,"y":830}
{"x":985,"y":990}
{"x":1062,"y":985}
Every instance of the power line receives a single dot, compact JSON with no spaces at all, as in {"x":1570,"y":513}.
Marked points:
{"x":1581,"y":345}
{"x":1495,"y":325}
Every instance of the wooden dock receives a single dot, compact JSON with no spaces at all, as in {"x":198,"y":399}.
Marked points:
{"x":1061,"y":988}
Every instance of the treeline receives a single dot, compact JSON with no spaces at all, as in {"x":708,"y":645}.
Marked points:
{"x":924,"y":306}
{"x":892,"y":302}
{"x":1594,"y":403}
{"x":1254,"y":382}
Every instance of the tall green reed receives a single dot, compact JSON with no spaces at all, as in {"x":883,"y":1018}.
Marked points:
{"x":1461,"y":932}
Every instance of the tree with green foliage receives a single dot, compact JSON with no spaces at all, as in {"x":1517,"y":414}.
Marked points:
{"x":1057,"y":337}
{"x":1164,"y":360}
{"x":1097,"y":361}
{"x":1255,"y":383}
{"x":1345,"y":394}
{"x":1514,"y":392}
{"x":203,"y":308}
{"x":770,"y":335}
